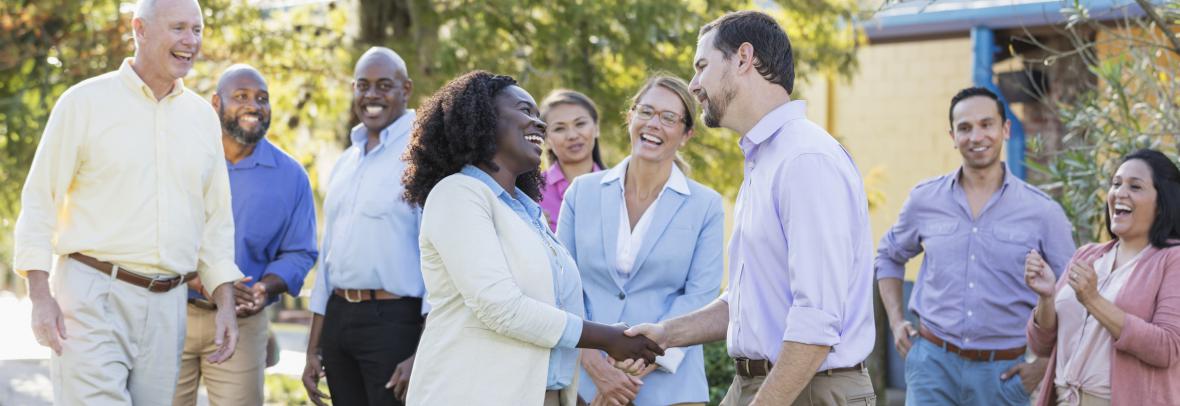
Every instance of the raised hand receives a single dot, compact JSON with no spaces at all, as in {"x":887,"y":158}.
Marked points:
{"x":1038,"y":276}
{"x":1084,"y":280}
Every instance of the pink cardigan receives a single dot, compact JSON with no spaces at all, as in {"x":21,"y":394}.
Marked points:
{"x":1145,"y":360}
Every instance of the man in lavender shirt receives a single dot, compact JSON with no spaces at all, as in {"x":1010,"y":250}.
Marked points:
{"x":975,"y":225}
{"x":798,"y":315}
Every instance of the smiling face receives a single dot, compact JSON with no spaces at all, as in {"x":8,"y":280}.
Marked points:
{"x":168,"y":40}
{"x":978,"y":132}
{"x":656,"y":125}
{"x":1131,"y":201}
{"x":571,"y":133}
{"x":243,"y":104}
{"x":712,"y":82}
{"x":380,"y":90}
{"x":520,"y":133}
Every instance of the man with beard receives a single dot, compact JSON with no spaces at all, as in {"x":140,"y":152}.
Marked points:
{"x":126,"y":200}
{"x":798,"y":314}
{"x":976,"y":225}
{"x":368,"y":292}
{"x":274,"y":243}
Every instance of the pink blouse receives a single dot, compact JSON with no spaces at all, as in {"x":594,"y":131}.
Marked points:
{"x":554,"y":191}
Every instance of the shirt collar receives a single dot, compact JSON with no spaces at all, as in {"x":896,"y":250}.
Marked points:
{"x":263,"y":154}
{"x":1008,"y":176}
{"x":393,"y":132}
{"x":530,"y":205}
{"x":676,"y":181}
{"x":136,"y":83}
{"x":554,"y":174}
{"x":770,"y":124}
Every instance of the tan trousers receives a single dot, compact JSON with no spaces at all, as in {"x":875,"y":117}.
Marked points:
{"x":122,"y":342}
{"x":842,"y":388}
{"x":237,"y":381}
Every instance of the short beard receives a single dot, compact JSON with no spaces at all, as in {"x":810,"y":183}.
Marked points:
{"x":239,"y":134}
{"x":715,"y":109}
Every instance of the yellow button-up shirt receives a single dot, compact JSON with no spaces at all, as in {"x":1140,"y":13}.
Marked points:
{"x":125,"y":178}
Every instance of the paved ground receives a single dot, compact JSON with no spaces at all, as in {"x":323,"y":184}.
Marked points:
{"x":24,"y":365}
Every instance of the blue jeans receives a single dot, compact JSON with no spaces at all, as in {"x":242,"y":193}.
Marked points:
{"x":936,"y":377}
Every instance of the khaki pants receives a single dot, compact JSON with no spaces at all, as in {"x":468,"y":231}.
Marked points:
{"x":122,"y":342}
{"x":237,"y":381}
{"x":852,"y":388}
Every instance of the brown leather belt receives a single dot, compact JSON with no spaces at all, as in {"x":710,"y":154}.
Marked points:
{"x":753,"y":368}
{"x":364,"y":295}
{"x":157,"y":285}
{"x":973,"y":355}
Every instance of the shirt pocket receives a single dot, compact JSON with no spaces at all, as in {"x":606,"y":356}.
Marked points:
{"x":381,"y":201}
{"x":1013,"y":245}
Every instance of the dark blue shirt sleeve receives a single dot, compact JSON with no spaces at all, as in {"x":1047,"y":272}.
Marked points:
{"x":297,"y":248}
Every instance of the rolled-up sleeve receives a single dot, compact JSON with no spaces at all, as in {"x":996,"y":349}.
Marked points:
{"x":818,"y":208}
{"x":901,"y":243}
{"x":45,"y":188}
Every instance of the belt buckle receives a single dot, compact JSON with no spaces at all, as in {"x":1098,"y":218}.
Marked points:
{"x":348,"y":297}
{"x":745,"y":363}
{"x":152,"y":285}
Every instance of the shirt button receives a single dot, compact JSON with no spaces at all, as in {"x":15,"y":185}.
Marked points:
{"x":972,"y":257}
{"x":969,"y":314}
{"x":622,"y":295}
{"x":966,"y":340}
{"x":974,"y":229}
{"x":971,"y":285}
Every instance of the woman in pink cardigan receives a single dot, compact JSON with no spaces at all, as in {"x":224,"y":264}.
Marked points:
{"x":1111,"y":325}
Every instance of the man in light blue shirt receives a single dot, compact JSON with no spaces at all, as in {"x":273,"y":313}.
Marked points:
{"x":798,"y":314}
{"x":368,"y":292}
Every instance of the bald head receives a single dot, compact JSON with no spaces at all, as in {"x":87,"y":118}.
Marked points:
{"x":236,"y":74}
{"x":384,"y":58}
{"x":381,"y":88}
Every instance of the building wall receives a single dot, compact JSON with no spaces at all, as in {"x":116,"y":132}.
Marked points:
{"x":892,"y":117}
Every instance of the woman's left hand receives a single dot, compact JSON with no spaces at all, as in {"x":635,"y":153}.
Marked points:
{"x":1084,"y":280}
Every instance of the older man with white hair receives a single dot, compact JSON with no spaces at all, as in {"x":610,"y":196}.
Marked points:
{"x":126,"y":201}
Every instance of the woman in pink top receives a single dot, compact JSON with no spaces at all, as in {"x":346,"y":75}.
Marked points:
{"x":572,"y":135}
{"x":1111,"y":325}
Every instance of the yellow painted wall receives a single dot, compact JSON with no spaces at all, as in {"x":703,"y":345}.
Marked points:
{"x":892,"y":117}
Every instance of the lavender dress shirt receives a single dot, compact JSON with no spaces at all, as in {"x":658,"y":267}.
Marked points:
{"x":970,"y":290}
{"x":801,"y":251}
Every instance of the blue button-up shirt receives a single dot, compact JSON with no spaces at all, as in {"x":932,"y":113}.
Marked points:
{"x":801,"y":253}
{"x":274,"y":217}
{"x":970,"y":290}
{"x":370,"y":232}
{"x":567,"y":283}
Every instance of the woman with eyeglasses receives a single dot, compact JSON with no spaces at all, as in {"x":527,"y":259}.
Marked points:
{"x":648,"y":241}
{"x":1111,"y":325}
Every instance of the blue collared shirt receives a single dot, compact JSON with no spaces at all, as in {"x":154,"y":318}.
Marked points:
{"x":970,"y":290}
{"x":370,"y":232}
{"x":567,"y":284}
{"x":274,"y":218}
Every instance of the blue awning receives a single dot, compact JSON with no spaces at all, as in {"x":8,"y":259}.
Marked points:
{"x":925,"y":18}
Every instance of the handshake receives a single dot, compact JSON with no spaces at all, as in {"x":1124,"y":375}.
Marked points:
{"x":634,"y":348}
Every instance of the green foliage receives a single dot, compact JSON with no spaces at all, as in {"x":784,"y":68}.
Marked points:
{"x":1132,"y":104}
{"x":306,"y":52}
{"x":718,"y":370}
{"x":285,"y":390}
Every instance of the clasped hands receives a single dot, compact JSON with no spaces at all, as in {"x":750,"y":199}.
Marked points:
{"x":248,"y":300}
{"x":649,"y":332}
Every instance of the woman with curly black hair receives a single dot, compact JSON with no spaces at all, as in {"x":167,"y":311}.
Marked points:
{"x":506,"y":298}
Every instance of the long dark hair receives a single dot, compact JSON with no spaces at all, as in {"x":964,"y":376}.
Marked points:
{"x":1166,"y":179}
{"x":454,"y":128}
{"x":560,"y":97}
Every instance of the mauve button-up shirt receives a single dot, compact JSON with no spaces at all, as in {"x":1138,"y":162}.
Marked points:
{"x":970,"y":290}
{"x":801,"y":251}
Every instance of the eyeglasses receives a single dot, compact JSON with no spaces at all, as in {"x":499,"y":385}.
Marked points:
{"x":667,"y":118}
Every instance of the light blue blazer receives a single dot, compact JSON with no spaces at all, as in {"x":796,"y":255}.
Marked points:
{"x":677,"y":270}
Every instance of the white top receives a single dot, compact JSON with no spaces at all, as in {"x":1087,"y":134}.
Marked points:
{"x":1083,"y":345}
{"x":630,"y":240}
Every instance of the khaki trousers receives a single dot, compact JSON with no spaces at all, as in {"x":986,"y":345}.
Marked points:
{"x":122,"y":342}
{"x":237,"y":381}
{"x":852,"y":388}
